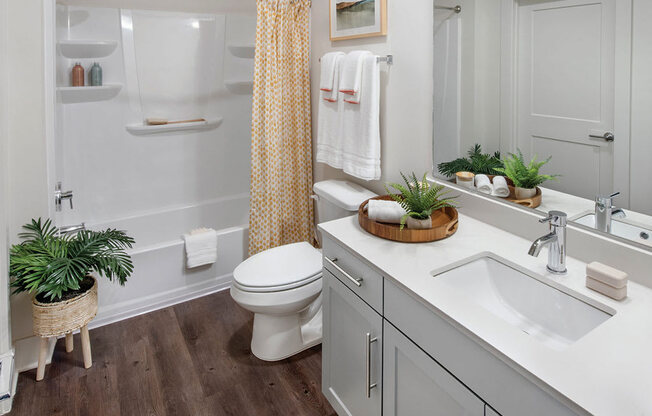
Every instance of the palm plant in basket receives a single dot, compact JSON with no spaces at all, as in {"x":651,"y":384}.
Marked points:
{"x":420,"y":200}
{"x":56,"y":270}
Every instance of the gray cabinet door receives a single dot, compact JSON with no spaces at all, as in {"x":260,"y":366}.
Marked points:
{"x":414,"y":384}
{"x":351,"y":359}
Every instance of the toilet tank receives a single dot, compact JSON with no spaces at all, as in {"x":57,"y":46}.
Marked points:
{"x":338,"y":199}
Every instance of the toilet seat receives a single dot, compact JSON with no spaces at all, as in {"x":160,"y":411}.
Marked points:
{"x":280,"y":268}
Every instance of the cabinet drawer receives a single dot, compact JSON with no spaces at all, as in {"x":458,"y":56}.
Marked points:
{"x":354,"y":273}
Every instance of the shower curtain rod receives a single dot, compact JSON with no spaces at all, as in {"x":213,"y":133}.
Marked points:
{"x":456,"y":9}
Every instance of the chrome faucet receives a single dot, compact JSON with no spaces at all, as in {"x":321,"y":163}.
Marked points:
{"x":60,"y":195}
{"x":555,"y":240}
{"x":605,"y":211}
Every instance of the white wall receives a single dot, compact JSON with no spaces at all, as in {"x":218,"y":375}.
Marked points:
{"x":406,"y":87}
{"x":202,"y":6}
{"x":27,"y":191}
{"x":641,"y":127}
{"x":5,"y":323}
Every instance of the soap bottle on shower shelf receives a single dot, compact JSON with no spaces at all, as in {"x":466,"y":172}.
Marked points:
{"x":78,"y":75}
{"x":95,"y":75}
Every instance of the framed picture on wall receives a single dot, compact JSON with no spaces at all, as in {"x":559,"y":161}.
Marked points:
{"x":352,"y":19}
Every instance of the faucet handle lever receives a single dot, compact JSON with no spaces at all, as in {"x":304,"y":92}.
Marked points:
{"x":555,"y":218}
{"x":615,"y":194}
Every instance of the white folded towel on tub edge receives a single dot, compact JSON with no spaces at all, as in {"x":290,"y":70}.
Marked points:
{"x":201,"y":247}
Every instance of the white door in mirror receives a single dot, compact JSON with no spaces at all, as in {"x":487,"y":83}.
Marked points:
{"x":566,"y":91}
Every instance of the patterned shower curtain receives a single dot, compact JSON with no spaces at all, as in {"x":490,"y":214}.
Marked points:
{"x":280,"y":207}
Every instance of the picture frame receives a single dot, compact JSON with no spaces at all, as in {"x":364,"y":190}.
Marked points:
{"x":352,"y":19}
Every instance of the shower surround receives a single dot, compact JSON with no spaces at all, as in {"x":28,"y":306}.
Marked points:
{"x":162,"y":183}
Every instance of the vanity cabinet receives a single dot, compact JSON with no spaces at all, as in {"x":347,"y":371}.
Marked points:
{"x":351,"y":351}
{"x":386,"y":352}
{"x":415,"y":384}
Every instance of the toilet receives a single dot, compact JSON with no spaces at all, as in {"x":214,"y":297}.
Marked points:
{"x":282,"y":285}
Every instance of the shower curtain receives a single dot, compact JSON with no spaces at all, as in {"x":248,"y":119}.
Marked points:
{"x":280,"y":207}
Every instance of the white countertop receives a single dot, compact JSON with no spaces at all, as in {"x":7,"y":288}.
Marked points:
{"x":607,"y":372}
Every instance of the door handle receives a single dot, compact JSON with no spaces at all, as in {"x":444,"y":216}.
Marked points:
{"x":368,"y":386}
{"x":608,"y":136}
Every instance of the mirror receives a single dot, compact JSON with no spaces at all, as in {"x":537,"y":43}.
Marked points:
{"x":565,"y":82}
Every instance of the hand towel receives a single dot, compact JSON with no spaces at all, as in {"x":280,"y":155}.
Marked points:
{"x":483,"y":184}
{"x":329,"y":80}
{"x":352,"y":67}
{"x":360,"y":126}
{"x":201,"y":247}
{"x":385,"y":211}
{"x":500,"y":187}
{"x":329,"y":119}
{"x":333,"y":95}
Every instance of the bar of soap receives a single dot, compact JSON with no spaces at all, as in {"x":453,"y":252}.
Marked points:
{"x":605,"y":289}
{"x":607,"y":275}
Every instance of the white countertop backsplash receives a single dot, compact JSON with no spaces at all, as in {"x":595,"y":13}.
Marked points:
{"x":607,"y":372}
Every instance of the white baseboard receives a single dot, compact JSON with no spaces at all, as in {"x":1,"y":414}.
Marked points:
{"x":122,"y":311}
{"x":27,"y":348}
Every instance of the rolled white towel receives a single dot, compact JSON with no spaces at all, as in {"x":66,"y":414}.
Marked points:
{"x":500,"y":187}
{"x":201,"y":247}
{"x":483,"y":184}
{"x":385,"y":211}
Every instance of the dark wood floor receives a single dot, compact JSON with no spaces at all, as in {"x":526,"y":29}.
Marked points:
{"x":189,"y":359}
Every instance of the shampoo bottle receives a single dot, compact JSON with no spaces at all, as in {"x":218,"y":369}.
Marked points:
{"x":78,"y":75}
{"x":96,"y":75}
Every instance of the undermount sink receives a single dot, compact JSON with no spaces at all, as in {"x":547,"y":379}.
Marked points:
{"x":621,"y":229}
{"x":543,"y":310}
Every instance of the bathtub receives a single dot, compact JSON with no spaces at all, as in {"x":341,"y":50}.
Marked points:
{"x":160,"y":276}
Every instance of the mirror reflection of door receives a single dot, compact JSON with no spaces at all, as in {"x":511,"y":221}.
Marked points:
{"x":565,"y":91}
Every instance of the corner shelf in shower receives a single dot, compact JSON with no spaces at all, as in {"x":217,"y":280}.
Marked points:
{"x":145,"y":130}
{"x":86,"y":49}
{"x":69,"y":95}
{"x":246,"y":51}
{"x":243,"y":87}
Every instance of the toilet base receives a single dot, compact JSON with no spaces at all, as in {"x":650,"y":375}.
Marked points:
{"x":278,"y":337}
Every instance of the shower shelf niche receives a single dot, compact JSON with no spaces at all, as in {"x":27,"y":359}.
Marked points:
{"x":69,"y":95}
{"x":145,"y":130}
{"x":246,"y":51}
{"x":86,"y":49}
{"x":240,"y":86}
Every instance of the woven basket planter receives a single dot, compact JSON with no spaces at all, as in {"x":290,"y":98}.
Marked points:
{"x":59,"y":318}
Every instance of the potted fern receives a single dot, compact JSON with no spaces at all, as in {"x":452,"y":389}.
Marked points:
{"x":420,"y":200}
{"x":56,"y":269}
{"x":476,"y":162}
{"x":526,"y":178}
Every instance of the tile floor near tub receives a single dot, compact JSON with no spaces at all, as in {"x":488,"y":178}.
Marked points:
{"x":188,"y":359}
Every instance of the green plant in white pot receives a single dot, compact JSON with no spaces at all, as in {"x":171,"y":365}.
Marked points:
{"x":420,"y":200}
{"x":526,"y":178}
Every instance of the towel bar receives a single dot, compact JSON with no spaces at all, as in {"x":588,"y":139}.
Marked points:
{"x":388,"y":59}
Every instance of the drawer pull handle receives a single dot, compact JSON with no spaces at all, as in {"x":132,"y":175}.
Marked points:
{"x":368,"y":386}
{"x":357,"y":282}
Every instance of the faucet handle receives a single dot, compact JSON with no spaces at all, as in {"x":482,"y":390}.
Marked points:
{"x":555,"y":218}
{"x":606,"y":200}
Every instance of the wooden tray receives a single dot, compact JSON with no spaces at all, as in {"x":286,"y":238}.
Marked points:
{"x":444,"y":224}
{"x":533,"y":202}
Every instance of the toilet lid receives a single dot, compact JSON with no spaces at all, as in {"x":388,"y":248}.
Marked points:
{"x":281,"y":268}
